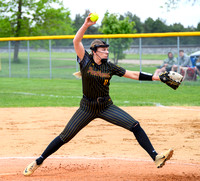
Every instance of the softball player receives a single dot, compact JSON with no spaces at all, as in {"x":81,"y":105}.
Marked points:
{"x":96,"y":74}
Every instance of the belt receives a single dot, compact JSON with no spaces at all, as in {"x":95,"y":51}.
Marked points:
{"x":98,"y":99}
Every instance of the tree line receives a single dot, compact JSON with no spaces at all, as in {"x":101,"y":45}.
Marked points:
{"x":50,"y":17}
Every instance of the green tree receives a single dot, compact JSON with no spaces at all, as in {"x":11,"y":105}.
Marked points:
{"x":5,"y":27}
{"x":159,"y":26}
{"x":33,"y":17}
{"x":148,"y":25}
{"x":138,"y":24}
{"x":111,"y":24}
{"x":198,"y":27}
{"x":177,"y":27}
{"x":53,"y":22}
{"x":77,"y":23}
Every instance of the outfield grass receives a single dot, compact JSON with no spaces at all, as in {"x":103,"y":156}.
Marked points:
{"x":65,"y":90}
{"x":39,"y":66}
{"x":59,"y":55}
{"x":22,"y":92}
{"x":62,"y":65}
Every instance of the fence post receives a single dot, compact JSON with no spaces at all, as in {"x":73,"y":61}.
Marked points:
{"x":107,"y":41}
{"x":140,"y":52}
{"x":9,"y":51}
{"x":28,"y":51}
{"x":50,"y":67}
{"x":178,"y":46}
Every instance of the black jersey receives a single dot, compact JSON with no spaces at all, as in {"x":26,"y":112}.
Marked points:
{"x":96,"y":78}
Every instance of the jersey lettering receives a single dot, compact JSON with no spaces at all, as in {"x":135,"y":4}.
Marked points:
{"x":97,"y":73}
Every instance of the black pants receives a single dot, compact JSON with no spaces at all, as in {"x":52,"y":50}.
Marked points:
{"x":89,"y":110}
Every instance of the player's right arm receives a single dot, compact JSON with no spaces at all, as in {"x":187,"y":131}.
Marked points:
{"x":77,"y":41}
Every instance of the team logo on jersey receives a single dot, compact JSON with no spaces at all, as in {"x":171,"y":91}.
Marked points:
{"x":105,"y":82}
{"x":97,"y":73}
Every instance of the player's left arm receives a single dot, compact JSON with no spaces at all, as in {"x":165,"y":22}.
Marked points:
{"x":172,"y":79}
{"x":136,"y":75}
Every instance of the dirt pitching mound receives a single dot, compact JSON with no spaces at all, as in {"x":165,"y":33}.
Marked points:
{"x":100,"y":151}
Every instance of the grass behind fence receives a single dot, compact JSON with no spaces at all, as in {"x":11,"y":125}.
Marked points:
{"x":63,"y":64}
{"x":39,"y":66}
{"x":70,"y":55}
{"x":64,"y":90}
{"x":22,"y":92}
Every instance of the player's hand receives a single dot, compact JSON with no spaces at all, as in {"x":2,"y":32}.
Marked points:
{"x":88,"y":22}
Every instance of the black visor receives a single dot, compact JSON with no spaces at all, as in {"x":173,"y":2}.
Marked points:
{"x":94,"y":48}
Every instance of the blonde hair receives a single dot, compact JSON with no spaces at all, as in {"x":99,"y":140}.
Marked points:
{"x":78,"y":75}
{"x":96,"y":42}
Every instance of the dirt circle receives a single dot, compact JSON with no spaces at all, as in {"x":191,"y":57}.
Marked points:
{"x":101,"y":151}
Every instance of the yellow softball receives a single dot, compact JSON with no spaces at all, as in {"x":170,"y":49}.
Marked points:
{"x":94,"y":17}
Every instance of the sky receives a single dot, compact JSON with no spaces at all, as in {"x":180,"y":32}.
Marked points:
{"x":185,"y":13}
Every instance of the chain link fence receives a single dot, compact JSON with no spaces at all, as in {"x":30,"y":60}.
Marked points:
{"x":50,"y":59}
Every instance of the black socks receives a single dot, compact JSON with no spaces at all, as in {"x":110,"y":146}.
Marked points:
{"x":51,"y":148}
{"x":144,"y":141}
{"x":139,"y":133}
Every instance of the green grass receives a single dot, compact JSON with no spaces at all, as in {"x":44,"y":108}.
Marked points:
{"x":146,"y":56}
{"x":40,"y":66}
{"x":63,"y":65}
{"x":22,"y":92}
{"x":58,"y":55}
{"x":65,"y":90}
{"x":24,"y":55}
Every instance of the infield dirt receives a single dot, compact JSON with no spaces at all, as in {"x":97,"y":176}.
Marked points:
{"x":100,"y":151}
